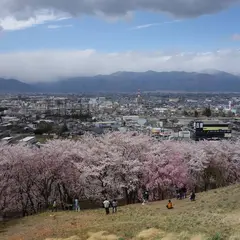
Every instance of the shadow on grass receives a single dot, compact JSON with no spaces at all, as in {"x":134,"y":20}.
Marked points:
{"x":4,"y":225}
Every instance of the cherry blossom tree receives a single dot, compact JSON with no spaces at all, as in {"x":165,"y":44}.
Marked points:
{"x":133,"y":150}
{"x":114,"y":165}
{"x":6,"y":182}
{"x":164,"y":168}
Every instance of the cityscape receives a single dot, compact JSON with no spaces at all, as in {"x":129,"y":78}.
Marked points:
{"x":35,"y":119}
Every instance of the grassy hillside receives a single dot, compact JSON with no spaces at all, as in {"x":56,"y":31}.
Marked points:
{"x":215,"y":215}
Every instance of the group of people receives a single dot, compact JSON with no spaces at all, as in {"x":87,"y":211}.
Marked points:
{"x":181,"y":194}
{"x":192,"y":198}
{"x":110,"y":204}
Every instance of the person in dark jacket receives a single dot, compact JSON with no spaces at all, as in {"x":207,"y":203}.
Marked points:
{"x":184,"y":192}
{"x":114,"y":206}
{"x":145,"y":197}
{"x":178,"y":193}
{"x":192,"y":196}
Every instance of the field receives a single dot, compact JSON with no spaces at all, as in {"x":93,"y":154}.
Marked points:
{"x":215,"y":215}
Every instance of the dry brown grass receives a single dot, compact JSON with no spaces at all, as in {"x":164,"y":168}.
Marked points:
{"x":216,"y":211}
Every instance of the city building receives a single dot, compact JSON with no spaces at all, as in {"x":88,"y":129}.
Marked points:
{"x":211,"y":130}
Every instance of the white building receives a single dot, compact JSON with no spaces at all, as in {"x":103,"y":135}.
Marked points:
{"x":131,"y":118}
{"x":160,"y":110}
{"x":106,"y":124}
{"x":28,"y":140}
{"x":6,"y":140}
{"x":184,"y":134}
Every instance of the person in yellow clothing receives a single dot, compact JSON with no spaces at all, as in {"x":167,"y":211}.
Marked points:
{"x":169,"y":205}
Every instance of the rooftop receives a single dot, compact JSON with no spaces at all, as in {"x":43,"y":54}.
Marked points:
{"x":26,"y":139}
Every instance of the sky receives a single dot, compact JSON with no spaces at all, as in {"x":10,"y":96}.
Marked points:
{"x":44,"y":40}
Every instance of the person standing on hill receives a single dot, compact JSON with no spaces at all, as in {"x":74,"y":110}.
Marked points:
{"x":184,"y":192}
{"x":181,"y":193}
{"x":76,"y":205}
{"x":145,"y":197}
{"x":178,"y":193}
{"x":114,"y":206}
{"x":192,"y":196}
{"x":106,"y":205}
{"x":54,"y":206}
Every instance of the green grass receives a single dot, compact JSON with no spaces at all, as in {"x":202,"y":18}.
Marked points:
{"x":214,"y":216}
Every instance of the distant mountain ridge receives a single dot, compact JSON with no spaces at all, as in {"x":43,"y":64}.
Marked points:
{"x":14,"y":86}
{"x":206,"y":81}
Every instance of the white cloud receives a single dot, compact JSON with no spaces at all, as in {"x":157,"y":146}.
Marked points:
{"x":59,"y":26}
{"x":10,"y":23}
{"x":48,"y":65}
{"x":153,"y":24}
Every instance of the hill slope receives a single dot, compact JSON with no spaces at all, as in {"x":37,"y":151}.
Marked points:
{"x":14,"y":86}
{"x":216,"y":211}
{"x":132,"y":81}
{"x":148,"y":81}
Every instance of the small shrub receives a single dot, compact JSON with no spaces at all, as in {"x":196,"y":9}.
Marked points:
{"x":216,"y":237}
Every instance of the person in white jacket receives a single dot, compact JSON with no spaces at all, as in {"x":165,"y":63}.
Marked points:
{"x":106,"y":205}
{"x":76,"y":205}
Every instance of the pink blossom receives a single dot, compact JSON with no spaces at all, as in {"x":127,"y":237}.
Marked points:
{"x":114,"y":165}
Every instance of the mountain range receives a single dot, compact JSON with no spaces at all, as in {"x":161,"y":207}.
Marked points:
{"x":206,"y":81}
